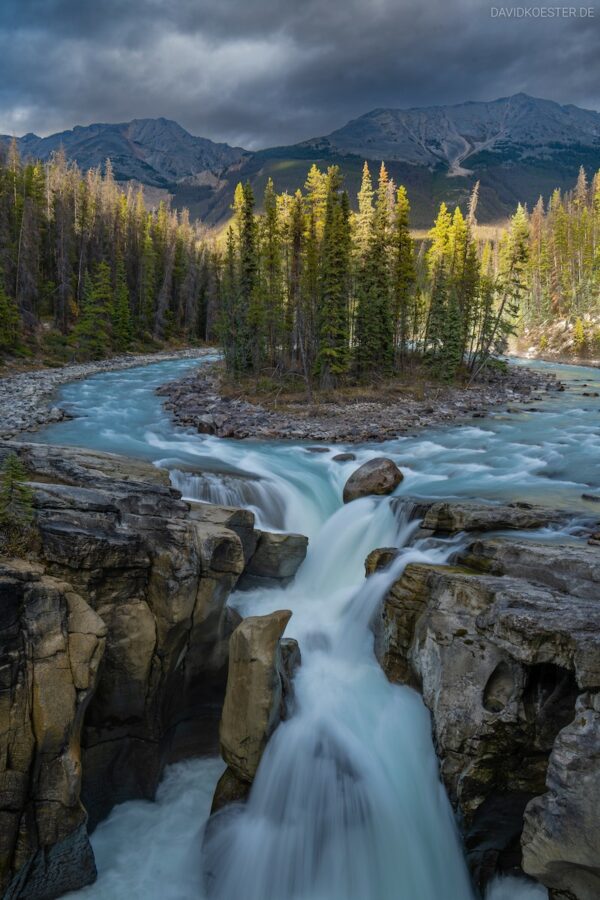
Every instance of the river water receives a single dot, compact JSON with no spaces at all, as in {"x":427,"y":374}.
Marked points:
{"x":347,"y":804}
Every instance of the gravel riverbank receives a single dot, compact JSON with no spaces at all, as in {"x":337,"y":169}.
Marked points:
{"x":26,"y":399}
{"x":194,"y":401}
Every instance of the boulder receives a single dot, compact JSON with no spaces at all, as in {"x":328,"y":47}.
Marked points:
{"x":377,"y":476}
{"x":254,"y":699}
{"x":502,"y":659}
{"x":52,"y":644}
{"x":344,"y":457}
{"x":276,"y":560}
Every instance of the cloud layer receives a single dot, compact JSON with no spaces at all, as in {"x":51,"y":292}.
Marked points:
{"x":262,"y":72}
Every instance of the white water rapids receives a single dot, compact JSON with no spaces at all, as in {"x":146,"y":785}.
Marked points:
{"x":347,"y":804}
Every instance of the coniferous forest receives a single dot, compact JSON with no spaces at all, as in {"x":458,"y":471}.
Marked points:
{"x":314,"y":285}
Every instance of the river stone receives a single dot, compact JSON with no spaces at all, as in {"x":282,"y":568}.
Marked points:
{"x":344,"y":457}
{"x":377,"y":476}
{"x":254,"y":697}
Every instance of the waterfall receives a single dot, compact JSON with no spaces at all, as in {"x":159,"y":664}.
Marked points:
{"x":347,"y":802}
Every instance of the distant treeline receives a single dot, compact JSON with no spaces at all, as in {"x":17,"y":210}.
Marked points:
{"x":564,"y":255}
{"x":307,"y":288}
{"x":81,"y":255}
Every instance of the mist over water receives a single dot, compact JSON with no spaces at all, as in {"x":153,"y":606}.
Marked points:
{"x":347,"y":804}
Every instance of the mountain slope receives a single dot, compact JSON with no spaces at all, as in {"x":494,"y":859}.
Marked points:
{"x":518,"y":127}
{"x":518,"y":147}
{"x":157,"y":152}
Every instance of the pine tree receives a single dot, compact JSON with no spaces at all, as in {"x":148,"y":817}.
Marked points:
{"x":121,"y":314}
{"x":249,"y":311}
{"x":403,"y":277}
{"x":16,"y":507}
{"x":437,"y":263}
{"x":147,"y":279}
{"x":9,"y":319}
{"x":333,"y":349}
{"x":374,"y":338}
{"x":90,"y":334}
{"x":272,"y":276}
{"x":363,"y":220}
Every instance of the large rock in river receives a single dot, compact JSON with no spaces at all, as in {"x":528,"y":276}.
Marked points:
{"x":377,"y":476}
{"x":506,"y":654}
{"x":276,"y":559}
{"x":259,"y":693}
{"x":254,"y":697}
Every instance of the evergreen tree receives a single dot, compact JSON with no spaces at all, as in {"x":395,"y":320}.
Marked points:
{"x":90,"y":334}
{"x":9,"y":319}
{"x":16,"y":507}
{"x":374,"y":338}
{"x":249,"y":311}
{"x":363,"y":220}
{"x":403,"y":278}
{"x":333,"y":352}
{"x":121,"y":314}
{"x":272,"y":277}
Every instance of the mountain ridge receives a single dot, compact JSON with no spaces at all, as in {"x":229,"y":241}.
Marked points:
{"x":517,"y":146}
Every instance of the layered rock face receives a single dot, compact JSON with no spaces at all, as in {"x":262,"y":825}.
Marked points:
{"x":154,"y":575}
{"x":51,"y":644}
{"x":505,"y":648}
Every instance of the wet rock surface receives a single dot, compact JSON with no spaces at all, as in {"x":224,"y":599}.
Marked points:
{"x":504,"y":647}
{"x":450,"y":517}
{"x":276,"y":559}
{"x":254,"y":699}
{"x":119,"y":561}
{"x":195,"y":402}
{"x":377,"y":477}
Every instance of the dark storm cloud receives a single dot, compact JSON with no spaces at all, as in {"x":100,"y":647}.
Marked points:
{"x":263,"y":72}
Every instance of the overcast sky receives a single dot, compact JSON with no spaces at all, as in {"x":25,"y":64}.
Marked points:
{"x":262,"y":72}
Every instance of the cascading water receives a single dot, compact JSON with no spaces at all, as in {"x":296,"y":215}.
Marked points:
{"x":347,"y":804}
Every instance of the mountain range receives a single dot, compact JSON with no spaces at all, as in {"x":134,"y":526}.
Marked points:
{"x":518,"y":147}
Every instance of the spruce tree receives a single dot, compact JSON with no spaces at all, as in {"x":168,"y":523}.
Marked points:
{"x":16,"y":506}
{"x":374,"y":336}
{"x":363,"y":220}
{"x":272,"y":276}
{"x":333,"y":350}
{"x":9,"y":319}
{"x":120,"y":312}
{"x":403,"y":277}
{"x":90,"y":334}
{"x":250,"y":319}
